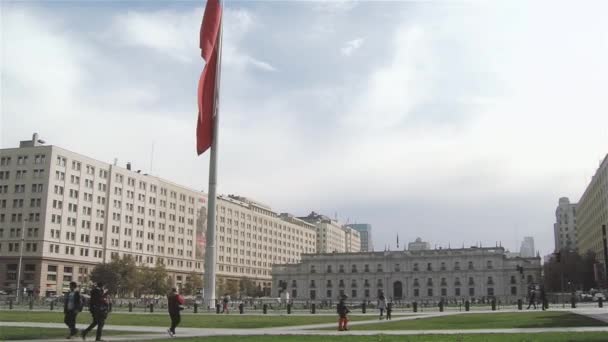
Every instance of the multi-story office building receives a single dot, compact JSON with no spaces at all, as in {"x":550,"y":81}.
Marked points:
{"x":251,"y":238}
{"x":418,"y":245}
{"x":352,"y":240}
{"x":365,"y":232}
{"x":564,"y":228}
{"x":422,"y":275}
{"x":592,"y":214}
{"x":75,"y":212}
{"x":331,"y":237}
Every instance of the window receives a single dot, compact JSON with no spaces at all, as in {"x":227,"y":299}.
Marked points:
{"x":429,"y":266}
{"x":416,"y":292}
{"x":312,"y":283}
{"x":490,"y":291}
{"x":341,"y":269}
{"x":457,"y":265}
{"x":470,"y":265}
{"x":313,"y":294}
{"x":457,"y":291}
{"x":471,"y":291}
{"x":397,"y":268}
{"x":489,"y":264}
{"x":416,"y":266}
{"x":366,"y":268}
{"x":490,"y":281}
{"x":353,"y":269}
{"x":513,"y":290}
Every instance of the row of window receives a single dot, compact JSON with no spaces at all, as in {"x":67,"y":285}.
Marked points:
{"x":397,"y":267}
{"x":22,"y":160}
{"x":416,"y":293}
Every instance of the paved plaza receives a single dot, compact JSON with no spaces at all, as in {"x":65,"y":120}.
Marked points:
{"x":143,"y":333}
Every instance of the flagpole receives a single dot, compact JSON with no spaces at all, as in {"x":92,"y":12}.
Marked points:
{"x":210,"y":262}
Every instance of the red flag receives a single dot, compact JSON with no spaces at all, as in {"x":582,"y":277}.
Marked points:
{"x":209,"y":38}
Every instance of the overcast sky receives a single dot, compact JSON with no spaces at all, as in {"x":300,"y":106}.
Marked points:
{"x":457,"y":122}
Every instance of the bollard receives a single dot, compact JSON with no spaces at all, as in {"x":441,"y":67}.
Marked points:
{"x":493,"y":304}
{"x":241,"y":308}
{"x":467,"y":305}
{"x":195,"y":308}
{"x":265,"y":309}
{"x":363,"y":308}
{"x":31,"y":304}
{"x":10,"y":304}
{"x":415,"y":306}
{"x":52,"y":305}
{"x":289,"y":309}
{"x":441,"y":306}
{"x":130,"y":307}
{"x":520,"y":304}
{"x":313,"y":308}
{"x":573,"y":302}
{"x":217,"y":308}
{"x":151,"y":307}
{"x":600,"y":302}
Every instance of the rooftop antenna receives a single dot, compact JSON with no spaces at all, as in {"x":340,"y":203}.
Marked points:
{"x":397,"y":240}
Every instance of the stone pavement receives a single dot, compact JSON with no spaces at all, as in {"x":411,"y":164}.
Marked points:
{"x":142,"y":333}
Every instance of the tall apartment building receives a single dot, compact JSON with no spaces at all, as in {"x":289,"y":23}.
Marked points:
{"x":592,"y":213}
{"x":365,"y":232}
{"x":565,"y":229}
{"x":75,"y":212}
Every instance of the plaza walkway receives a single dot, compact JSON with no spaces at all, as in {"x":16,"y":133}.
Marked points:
{"x":142,"y":333}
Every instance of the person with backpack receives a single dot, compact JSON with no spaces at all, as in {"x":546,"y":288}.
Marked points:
{"x":226,"y":301}
{"x":342,"y":314}
{"x":72,"y":305}
{"x":175,"y":304}
{"x":99,"y":306}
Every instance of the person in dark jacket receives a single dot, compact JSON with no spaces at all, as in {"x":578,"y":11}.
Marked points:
{"x":532,"y":299}
{"x":175,"y":302}
{"x":72,"y":305}
{"x":342,"y":314}
{"x":99,"y":307}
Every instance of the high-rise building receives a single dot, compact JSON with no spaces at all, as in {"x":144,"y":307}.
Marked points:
{"x":592,"y":214}
{"x":365,"y":231}
{"x":331,"y":238}
{"x":75,"y":212}
{"x":527,"y":247}
{"x":418,"y":245}
{"x":564,"y":228}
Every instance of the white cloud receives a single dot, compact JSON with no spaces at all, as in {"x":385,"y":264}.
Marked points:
{"x":351,"y":46}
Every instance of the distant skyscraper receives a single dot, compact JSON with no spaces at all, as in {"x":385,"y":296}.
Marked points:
{"x":365,"y":229}
{"x":564,"y":228}
{"x":418,"y":245}
{"x":527,"y":247}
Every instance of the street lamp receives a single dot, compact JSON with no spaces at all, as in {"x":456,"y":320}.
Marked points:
{"x":20,"y":257}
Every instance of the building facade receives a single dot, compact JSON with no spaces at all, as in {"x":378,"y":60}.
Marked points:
{"x":352,"y":240}
{"x":424,"y":275}
{"x":564,"y":229}
{"x":365,"y":233}
{"x":74,"y":212}
{"x":331,"y":237}
{"x":592,"y":214}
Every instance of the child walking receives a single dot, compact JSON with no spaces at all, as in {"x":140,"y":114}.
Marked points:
{"x":342,"y":314}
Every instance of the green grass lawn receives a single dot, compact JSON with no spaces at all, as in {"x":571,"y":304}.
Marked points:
{"x":547,"y":319}
{"x":191,"y":321}
{"x":19,"y":333}
{"x":544,"y":337}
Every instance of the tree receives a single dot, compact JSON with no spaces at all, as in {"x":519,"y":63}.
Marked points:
{"x":154,"y":281}
{"x":106,"y":274}
{"x":119,"y":276}
{"x":248,"y":288}
{"x":192,"y":284}
{"x":571,"y":272}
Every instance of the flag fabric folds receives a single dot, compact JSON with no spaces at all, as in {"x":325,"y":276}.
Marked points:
{"x":207,"y":85}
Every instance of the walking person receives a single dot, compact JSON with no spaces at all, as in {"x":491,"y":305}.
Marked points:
{"x":99,"y":307}
{"x":72,"y":305}
{"x":381,"y":305}
{"x":543,"y":298}
{"x":226,"y":300}
{"x":342,"y":314}
{"x":532,"y":299}
{"x":175,"y":305}
{"x":389,"y":310}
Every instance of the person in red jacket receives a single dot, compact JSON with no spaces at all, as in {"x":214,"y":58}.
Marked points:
{"x":175,"y":305}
